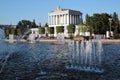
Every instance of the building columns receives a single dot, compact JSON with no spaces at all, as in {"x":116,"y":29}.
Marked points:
{"x":64,"y":19}
{"x":70,"y":19}
{"x":67,"y":18}
{"x":51,"y":20}
{"x":56,"y":19}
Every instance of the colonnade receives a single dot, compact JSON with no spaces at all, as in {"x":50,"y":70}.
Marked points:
{"x":63,"y":19}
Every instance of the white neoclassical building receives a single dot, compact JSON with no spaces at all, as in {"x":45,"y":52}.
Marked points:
{"x":64,"y":17}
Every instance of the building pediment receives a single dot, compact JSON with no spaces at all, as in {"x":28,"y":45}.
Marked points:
{"x":58,"y":9}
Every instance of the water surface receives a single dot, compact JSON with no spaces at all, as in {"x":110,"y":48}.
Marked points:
{"x":47,"y":61}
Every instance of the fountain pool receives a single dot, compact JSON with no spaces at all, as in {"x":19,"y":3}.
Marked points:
{"x":47,"y":61}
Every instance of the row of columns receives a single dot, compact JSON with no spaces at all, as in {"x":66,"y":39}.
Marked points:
{"x":64,"y":19}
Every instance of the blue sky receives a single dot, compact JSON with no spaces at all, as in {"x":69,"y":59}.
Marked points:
{"x":12,"y":11}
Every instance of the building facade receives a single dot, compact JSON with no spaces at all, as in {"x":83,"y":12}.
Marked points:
{"x":64,"y":17}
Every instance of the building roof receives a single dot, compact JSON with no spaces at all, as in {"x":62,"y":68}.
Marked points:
{"x":70,"y":11}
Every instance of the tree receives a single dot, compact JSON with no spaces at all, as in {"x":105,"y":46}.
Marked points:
{"x":24,"y":25}
{"x":82,"y":28}
{"x":50,"y":30}
{"x":34,"y":24}
{"x":7,"y":32}
{"x":87,"y":20}
{"x":71,"y":29}
{"x":41,"y":30}
{"x":115,"y":22}
{"x":19,"y":31}
{"x":59,"y":29}
{"x":98,"y":23}
{"x":104,"y":23}
{"x":13,"y":31}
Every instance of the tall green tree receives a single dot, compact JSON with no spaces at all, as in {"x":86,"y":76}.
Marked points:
{"x":34,"y":24}
{"x":115,"y":22}
{"x":98,"y":23}
{"x":24,"y":25}
{"x":87,"y":17}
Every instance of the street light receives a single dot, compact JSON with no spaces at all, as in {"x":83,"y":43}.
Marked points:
{"x":110,"y":20}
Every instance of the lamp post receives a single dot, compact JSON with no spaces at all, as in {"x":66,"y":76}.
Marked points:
{"x":110,"y":20}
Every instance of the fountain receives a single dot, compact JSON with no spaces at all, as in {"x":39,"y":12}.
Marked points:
{"x":3,"y":62}
{"x":60,"y":38}
{"x":2,"y":36}
{"x":24,"y":61}
{"x":86,"y":56}
{"x":25,"y":34}
{"x":32,"y":38}
{"x":3,"y":51}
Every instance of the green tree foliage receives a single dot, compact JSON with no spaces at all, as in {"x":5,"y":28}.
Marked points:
{"x":42,"y":30}
{"x":13,"y":31}
{"x":82,"y":28}
{"x":60,"y":29}
{"x":34,"y":24}
{"x":24,"y":25}
{"x":71,"y":28}
{"x":50,"y":30}
{"x":7,"y":32}
{"x":98,"y":23}
{"x":19,"y":31}
{"x":87,"y":19}
{"x":115,"y":22}
{"x":10,"y":31}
